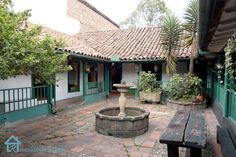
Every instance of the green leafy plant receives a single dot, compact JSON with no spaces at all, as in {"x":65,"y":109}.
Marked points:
{"x":148,"y":13}
{"x":228,"y":57}
{"x":185,"y":89}
{"x":23,"y":50}
{"x":147,"y":82}
{"x":170,"y":37}
{"x":191,"y":27}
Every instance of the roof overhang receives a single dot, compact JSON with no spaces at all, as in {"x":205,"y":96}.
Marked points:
{"x":217,"y":23}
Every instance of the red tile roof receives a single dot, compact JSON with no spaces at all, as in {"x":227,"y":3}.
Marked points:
{"x":73,"y":45}
{"x":127,"y":44}
{"x":130,"y":44}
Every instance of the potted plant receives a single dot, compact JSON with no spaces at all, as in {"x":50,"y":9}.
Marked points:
{"x":150,"y":90}
{"x":185,"y":91}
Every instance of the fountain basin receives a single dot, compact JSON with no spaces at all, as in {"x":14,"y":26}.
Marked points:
{"x":133,"y":124}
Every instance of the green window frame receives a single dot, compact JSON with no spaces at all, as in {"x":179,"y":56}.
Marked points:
{"x":74,"y":76}
{"x":92,"y":75}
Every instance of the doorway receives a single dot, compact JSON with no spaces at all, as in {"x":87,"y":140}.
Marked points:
{"x":155,"y":68}
{"x":115,"y":75}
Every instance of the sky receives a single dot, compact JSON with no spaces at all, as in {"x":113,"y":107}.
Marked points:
{"x":119,"y":10}
{"x":53,"y":15}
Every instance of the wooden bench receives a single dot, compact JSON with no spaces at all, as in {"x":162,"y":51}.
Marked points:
{"x":186,"y":129}
{"x":227,"y":139}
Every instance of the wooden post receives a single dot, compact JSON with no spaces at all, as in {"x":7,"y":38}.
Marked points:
{"x":106,"y":79}
{"x":50,"y":98}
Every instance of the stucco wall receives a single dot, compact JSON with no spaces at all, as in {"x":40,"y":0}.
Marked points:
{"x":129,"y":73}
{"x":62,"y":86}
{"x":89,"y":19}
{"x":15,"y":82}
{"x":182,"y":68}
{"x":100,"y":72}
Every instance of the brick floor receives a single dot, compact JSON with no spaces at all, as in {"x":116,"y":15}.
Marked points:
{"x":72,"y":133}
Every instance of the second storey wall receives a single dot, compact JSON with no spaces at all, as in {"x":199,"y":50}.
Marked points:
{"x":89,"y":19}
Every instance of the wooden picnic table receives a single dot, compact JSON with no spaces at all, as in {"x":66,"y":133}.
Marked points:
{"x":186,"y":129}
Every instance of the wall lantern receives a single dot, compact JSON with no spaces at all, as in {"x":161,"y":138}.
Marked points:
{"x":155,"y":67}
{"x":88,"y":69}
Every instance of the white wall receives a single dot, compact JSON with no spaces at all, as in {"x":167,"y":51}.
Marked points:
{"x":49,"y":13}
{"x":182,"y":68}
{"x":100,"y":72}
{"x":62,"y":86}
{"x":15,"y":82}
{"x":128,"y":73}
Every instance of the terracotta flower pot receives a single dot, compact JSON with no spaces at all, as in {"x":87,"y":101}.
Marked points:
{"x":200,"y":98}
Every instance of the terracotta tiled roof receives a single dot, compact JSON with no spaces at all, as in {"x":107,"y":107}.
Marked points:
{"x":73,"y":45}
{"x":130,"y":44}
{"x":98,"y":12}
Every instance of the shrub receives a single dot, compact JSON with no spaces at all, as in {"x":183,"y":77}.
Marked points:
{"x":186,"y":88}
{"x":148,"y":82}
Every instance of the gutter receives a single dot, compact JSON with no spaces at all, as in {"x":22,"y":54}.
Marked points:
{"x":207,"y":53}
{"x":84,"y":57}
{"x":205,"y":11}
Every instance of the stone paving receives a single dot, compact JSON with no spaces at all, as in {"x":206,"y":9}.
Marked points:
{"x":71,"y":133}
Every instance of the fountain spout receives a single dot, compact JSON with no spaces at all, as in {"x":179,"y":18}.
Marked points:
{"x":122,"y":88}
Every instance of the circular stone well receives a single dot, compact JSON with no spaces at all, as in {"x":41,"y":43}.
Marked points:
{"x":134,"y":123}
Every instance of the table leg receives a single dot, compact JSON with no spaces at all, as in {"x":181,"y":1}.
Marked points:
{"x":195,"y":152}
{"x":173,"y":151}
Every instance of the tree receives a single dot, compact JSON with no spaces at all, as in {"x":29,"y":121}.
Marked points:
{"x":23,"y":51}
{"x":170,"y":36}
{"x":148,"y":13}
{"x":191,"y":28}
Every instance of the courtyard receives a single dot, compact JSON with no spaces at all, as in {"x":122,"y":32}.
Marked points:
{"x":72,"y":132}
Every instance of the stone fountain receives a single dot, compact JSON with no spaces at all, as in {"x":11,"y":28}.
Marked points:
{"x":122,"y":121}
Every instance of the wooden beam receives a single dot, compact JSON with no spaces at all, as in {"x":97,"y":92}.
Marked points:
{"x":228,"y":21}
{"x":230,"y":9}
{"x":217,"y":42}
{"x":223,"y":28}
{"x":223,"y":34}
{"x":221,"y":37}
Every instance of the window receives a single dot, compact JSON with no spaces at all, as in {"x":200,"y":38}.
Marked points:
{"x":73,"y":76}
{"x":92,"y":75}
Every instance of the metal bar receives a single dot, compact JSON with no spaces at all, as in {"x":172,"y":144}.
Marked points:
{"x":27,"y":96}
{"x":41,"y":94}
{"x":14,"y":99}
{"x":4,"y":102}
{"x":18,"y":88}
{"x":22,"y":94}
{"x":18,"y":97}
{"x":9,"y":99}
{"x":44,"y":101}
{"x":34,"y":96}
{"x":30,"y":98}
{"x":37,"y":89}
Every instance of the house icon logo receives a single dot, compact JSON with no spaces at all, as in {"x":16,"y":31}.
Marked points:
{"x":13,"y":144}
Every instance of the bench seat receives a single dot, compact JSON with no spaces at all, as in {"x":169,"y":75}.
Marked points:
{"x":186,"y":129}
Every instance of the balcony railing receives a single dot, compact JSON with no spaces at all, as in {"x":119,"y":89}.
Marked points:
{"x":21,"y":98}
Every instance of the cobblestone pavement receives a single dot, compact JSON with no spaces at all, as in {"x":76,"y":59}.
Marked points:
{"x":72,"y":133}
